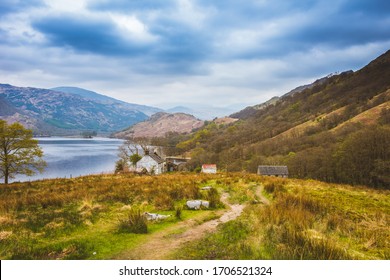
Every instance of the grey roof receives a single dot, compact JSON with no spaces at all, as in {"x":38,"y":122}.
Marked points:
{"x":156,"y":158}
{"x":272,"y":170}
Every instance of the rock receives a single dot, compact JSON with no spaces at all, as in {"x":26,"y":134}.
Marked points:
{"x":196,"y":204}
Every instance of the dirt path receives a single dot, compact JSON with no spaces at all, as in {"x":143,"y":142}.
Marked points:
{"x":161,"y":244}
{"x":260,"y":196}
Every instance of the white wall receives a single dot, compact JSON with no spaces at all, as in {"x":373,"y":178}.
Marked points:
{"x":148,"y":163}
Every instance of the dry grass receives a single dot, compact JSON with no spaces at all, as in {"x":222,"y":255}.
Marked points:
{"x":72,"y":218}
{"x":135,"y":222}
{"x":306,"y":219}
{"x":66,"y":218}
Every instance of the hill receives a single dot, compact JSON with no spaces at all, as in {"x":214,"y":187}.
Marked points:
{"x":91,"y":95}
{"x":159,"y":124}
{"x":54,"y":112}
{"x":100,"y":217}
{"x":203,"y":112}
{"x":336,"y":129}
{"x":252,"y":110}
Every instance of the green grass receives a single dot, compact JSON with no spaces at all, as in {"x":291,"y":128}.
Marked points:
{"x":80,"y":218}
{"x":305,"y":220}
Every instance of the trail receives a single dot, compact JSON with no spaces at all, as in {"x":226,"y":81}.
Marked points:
{"x":260,"y":196}
{"x":160,"y":245}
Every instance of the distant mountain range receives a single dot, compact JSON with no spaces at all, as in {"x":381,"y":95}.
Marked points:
{"x":203,"y":112}
{"x":91,"y":95}
{"x":68,"y":110}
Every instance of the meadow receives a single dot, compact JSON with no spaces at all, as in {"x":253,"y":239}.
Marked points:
{"x":92,"y":217}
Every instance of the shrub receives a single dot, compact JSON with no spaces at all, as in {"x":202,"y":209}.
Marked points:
{"x":213,"y":197}
{"x":164,"y":202}
{"x":274,"y":186}
{"x":178,"y":212}
{"x":134,"y":223}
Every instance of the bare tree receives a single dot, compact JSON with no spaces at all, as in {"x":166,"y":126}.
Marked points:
{"x":131,"y":151}
{"x":132,"y":146}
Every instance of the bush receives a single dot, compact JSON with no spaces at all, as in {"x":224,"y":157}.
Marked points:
{"x":213,"y":197}
{"x":135,"y":222}
{"x":178,"y":212}
{"x":275,"y":186}
{"x":164,"y":202}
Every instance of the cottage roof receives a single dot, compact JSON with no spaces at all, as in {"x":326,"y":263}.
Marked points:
{"x":273,"y":170}
{"x":173,"y":158}
{"x":156,"y":158}
{"x":209,"y":166}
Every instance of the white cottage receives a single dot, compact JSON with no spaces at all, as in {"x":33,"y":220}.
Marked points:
{"x":153,"y":163}
{"x":209,"y":168}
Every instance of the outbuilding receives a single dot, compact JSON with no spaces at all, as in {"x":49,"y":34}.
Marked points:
{"x":176,"y":163}
{"x":209,"y":168}
{"x":273,"y":170}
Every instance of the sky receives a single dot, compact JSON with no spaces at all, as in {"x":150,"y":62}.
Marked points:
{"x":168,"y":53}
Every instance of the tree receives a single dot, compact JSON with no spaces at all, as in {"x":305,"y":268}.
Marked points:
{"x":364,"y":157}
{"x":131,"y":151}
{"x":19,"y":152}
{"x":134,"y":159}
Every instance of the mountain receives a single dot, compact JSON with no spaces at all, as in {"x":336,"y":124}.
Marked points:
{"x":6,"y":109}
{"x":203,"y":112}
{"x":91,"y":95}
{"x":251,"y":110}
{"x":53,"y":112}
{"x":159,"y":124}
{"x":336,"y":129}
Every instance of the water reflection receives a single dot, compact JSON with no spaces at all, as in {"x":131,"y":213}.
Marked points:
{"x":71,"y":157}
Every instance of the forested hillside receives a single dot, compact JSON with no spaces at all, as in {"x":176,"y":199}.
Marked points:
{"x":336,"y":131}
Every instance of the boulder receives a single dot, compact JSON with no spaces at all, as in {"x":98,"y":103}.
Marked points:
{"x":155,"y":217}
{"x":196,"y":204}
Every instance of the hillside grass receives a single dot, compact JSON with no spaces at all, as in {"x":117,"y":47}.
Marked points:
{"x":81,"y":218}
{"x":306,"y":219}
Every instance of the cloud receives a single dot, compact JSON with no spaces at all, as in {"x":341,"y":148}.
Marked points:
{"x":372,"y":8}
{"x":89,"y":35}
{"x":181,"y":50}
{"x":276,"y":30}
{"x":130,"y":6}
{"x":340,"y":28}
{"x":14,"y":6}
{"x":183,"y":31}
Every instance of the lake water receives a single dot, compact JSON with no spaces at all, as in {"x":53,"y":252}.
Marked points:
{"x":72,"y":157}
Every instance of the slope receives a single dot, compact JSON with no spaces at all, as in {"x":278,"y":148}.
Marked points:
{"x":42,"y":109}
{"x":160,"y":124}
{"x":91,"y":95}
{"x":298,"y":130}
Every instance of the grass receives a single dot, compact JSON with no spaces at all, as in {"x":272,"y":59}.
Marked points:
{"x":135,"y":222}
{"x":305,"y":220}
{"x":88,"y":217}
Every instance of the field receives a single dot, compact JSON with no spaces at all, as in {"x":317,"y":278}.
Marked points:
{"x":250,"y":217}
